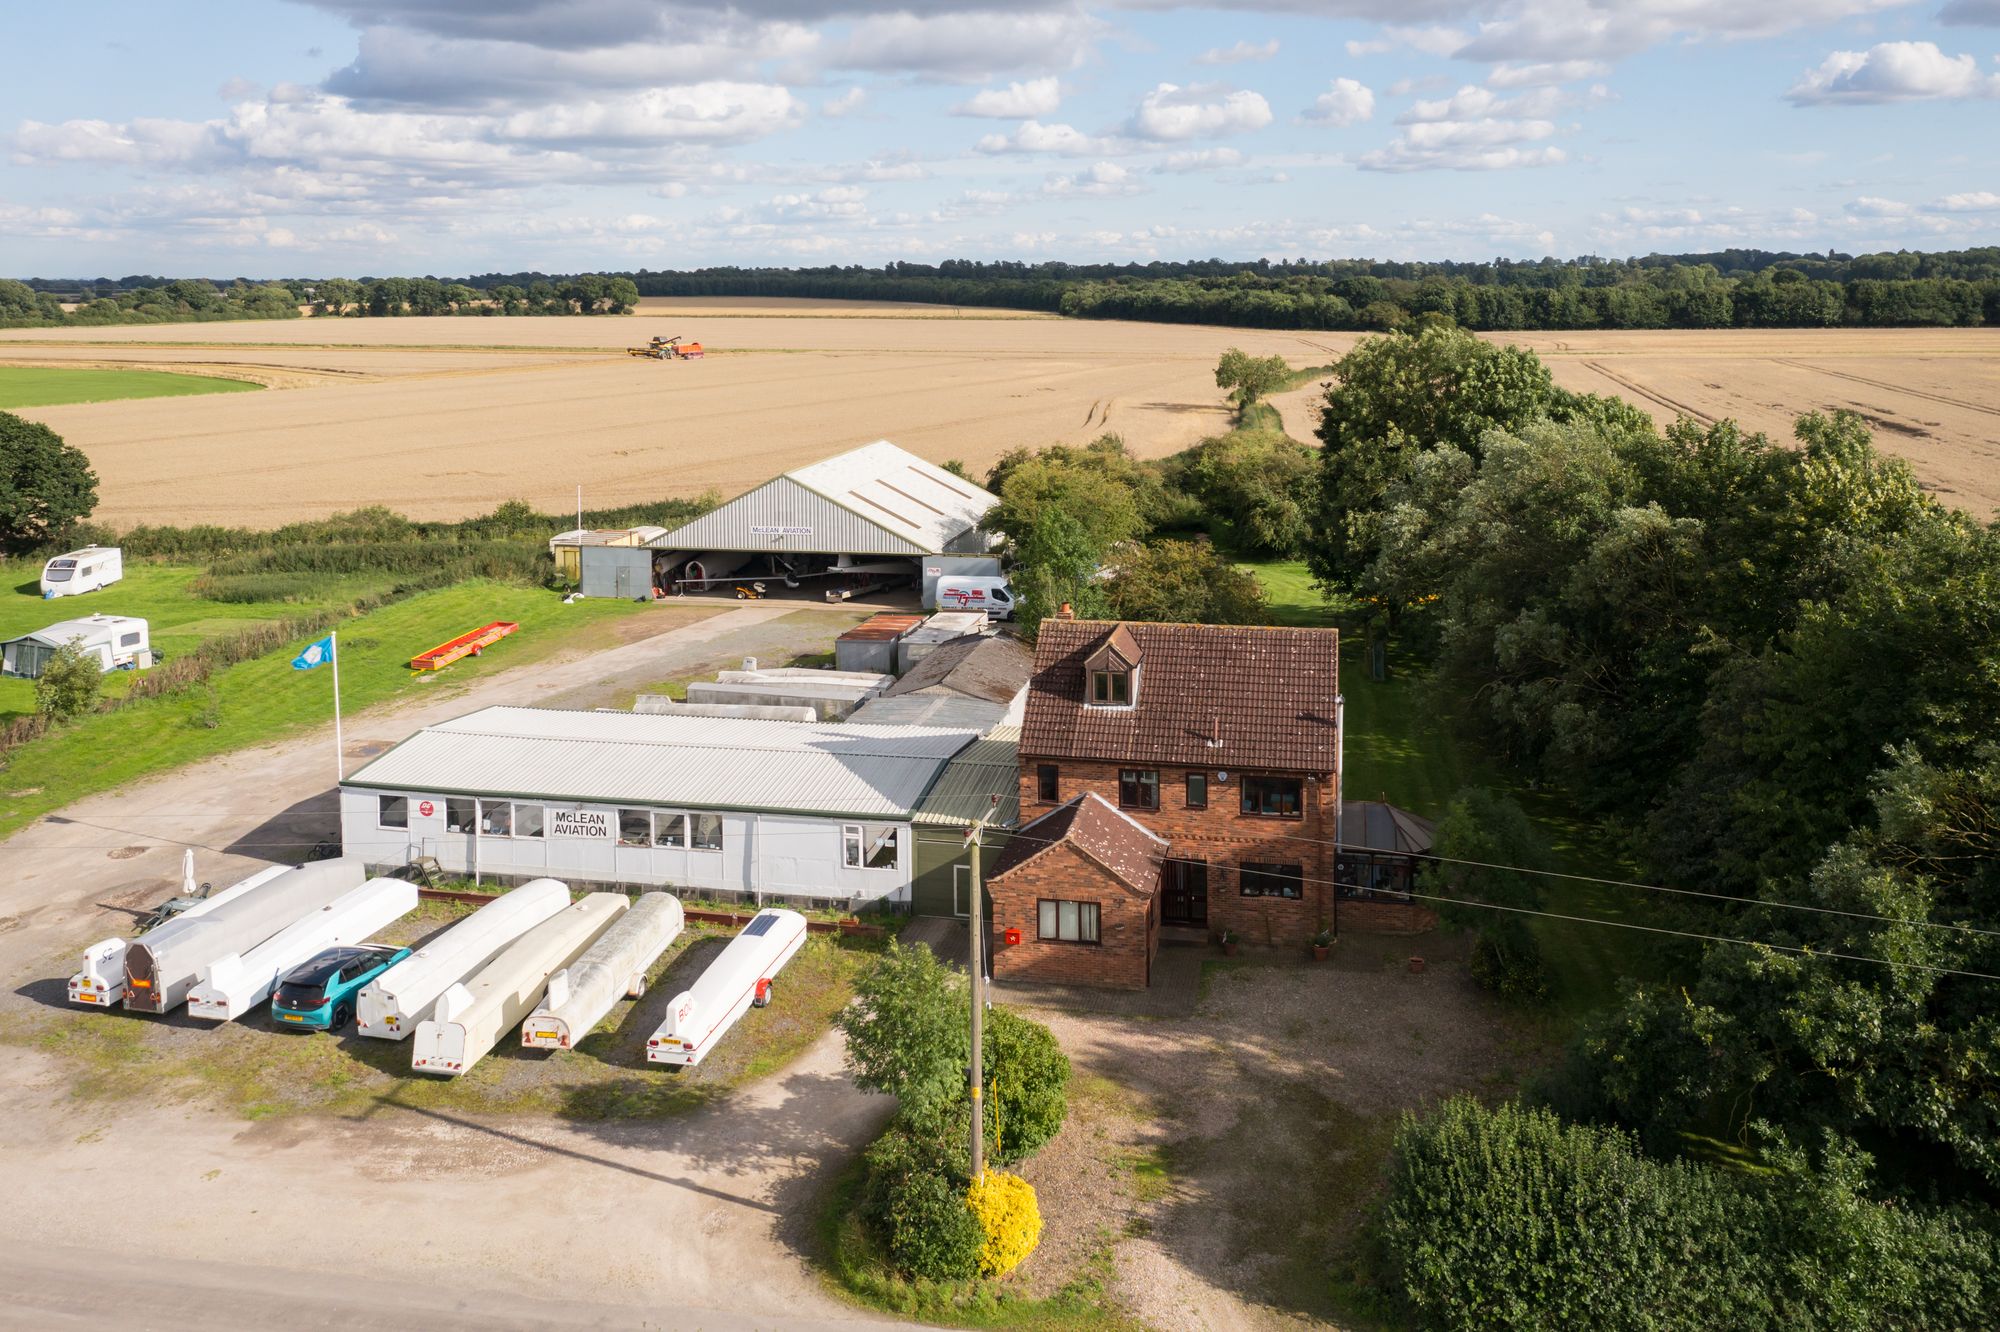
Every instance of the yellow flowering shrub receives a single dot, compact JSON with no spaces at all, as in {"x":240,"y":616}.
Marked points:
{"x":1005,"y":1206}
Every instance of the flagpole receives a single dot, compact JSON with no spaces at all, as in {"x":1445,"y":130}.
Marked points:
{"x":339,"y":750}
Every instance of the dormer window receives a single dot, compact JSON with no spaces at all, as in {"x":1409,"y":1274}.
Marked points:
{"x":1111,"y":672}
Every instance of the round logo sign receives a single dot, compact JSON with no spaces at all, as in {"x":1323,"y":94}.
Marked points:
{"x":426,"y":808}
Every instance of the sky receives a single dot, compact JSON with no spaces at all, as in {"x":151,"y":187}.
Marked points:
{"x":269,"y":138}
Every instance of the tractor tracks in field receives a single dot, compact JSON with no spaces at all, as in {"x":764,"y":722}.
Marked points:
{"x":1650,"y":395}
{"x":1939,"y":398}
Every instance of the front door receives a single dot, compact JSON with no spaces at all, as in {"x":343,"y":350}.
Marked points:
{"x":1184,"y":893}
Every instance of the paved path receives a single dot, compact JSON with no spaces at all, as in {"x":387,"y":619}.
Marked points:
{"x":173,"y":1216}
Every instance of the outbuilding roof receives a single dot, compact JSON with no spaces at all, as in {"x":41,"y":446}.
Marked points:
{"x":1206,"y":696}
{"x":994,"y":669}
{"x":874,"y":500}
{"x":1128,"y":851}
{"x":90,"y":629}
{"x":984,"y":769}
{"x":727,"y":763}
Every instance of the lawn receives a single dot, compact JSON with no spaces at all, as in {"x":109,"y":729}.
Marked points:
{"x":1401,"y":747}
{"x":157,"y":593}
{"x":258,"y":701}
{"x":39,"y":386}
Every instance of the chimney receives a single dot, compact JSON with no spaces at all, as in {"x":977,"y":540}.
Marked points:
{"x":1067,"y":612}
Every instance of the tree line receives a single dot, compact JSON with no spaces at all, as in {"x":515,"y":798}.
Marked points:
{"x":1774,"y":668}
{"x":189,"y":300}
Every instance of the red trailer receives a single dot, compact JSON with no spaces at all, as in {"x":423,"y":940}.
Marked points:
{"x":465,"y":645}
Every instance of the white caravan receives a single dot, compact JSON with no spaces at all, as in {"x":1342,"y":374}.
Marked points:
{"x":698,"y":1019}
{"x":161,"y":967}
{"x":101,"y":983}
{"x":233,"y":985}
{"x":392,"y":1005}
{"x":114,"y":642}
{"x":84,"y":570}
{"x":615,"y":968}
{"x":470,"y":1018}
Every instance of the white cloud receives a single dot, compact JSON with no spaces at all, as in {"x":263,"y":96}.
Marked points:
{"x":851,"y":100}
{"x":1475,"y":103}
{"x":1016,"y":101}
{"x":1347,"y":102}
{"x":839,"y":202}
{"x":1546,"y":72}
{"x":1432,"y":39}
{"x":1893,"y":72}
{"x":1035,"y":137}
{"x":1559,"y":30}
{"x":715,"y":112}
{"x":1240,"y":53}
{"x":1872,"y":206}
{"x":1978,"y":201}
{"x":969,"y":45}
{"x":1356,"y":50}
{"x":1200,"y":159}
{"x":1466,"y":145}
{"x":1102,"y":179}
{"x":1201,"y":111}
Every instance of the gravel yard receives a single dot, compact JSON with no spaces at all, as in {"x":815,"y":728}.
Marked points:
{"x":1225,"y":1159}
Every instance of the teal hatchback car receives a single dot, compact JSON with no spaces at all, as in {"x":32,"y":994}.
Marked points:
{"x":319,"y":995}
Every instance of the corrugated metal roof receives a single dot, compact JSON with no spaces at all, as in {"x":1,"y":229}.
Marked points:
{"x":692,"y":762}
{"x":874,"y":500}
{"x":938,"y":708}
{"x":987,"y":767}
{"x":91,"y":629}
{"x":883,"y":626}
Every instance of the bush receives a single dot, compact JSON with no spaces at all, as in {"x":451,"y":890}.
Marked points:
{"x":913,"y":1195}
{"x":1029,"y":1075}
{"x":69,"y":683}
{"x":1009,"y":1219}
{"x":1508,"y":961}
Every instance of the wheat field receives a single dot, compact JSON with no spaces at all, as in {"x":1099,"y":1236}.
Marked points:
{"x":446,"y":417}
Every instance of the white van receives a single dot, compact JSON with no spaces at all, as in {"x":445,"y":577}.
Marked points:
{"x":991,"y":595}
{"x":84,"y":570}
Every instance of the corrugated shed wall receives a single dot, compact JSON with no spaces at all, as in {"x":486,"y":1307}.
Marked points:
{"x":796,"y":519}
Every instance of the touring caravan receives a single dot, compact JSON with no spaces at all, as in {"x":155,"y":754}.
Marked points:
{"x":615,"y":968}
{"x":118,"y":642}
{"x":396,"y":1001}
{"x":697,"y":1019}
{"x":84,"y":570}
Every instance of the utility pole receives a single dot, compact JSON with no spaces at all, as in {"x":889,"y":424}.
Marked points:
{"x":1339,"y":795}
{"x":974,"y":839}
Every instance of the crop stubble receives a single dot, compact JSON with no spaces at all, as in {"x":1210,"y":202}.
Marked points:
{"x":441,"y":418}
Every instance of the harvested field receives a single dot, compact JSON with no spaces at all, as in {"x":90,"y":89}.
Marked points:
{"x":442,"y":418}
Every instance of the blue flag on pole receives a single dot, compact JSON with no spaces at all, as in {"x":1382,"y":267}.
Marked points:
{"x":316,"y":654}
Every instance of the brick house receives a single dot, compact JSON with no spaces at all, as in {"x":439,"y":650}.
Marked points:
{"x":1221,"y":739}
{"x":1084,"y":876}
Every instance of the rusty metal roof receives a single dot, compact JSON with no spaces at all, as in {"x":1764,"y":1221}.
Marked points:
{"x":1206,"y":696}
{"x":887,"y":626}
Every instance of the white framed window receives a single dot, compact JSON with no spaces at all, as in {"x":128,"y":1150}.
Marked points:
{"x":496,"y":818}
{"x":460,"y":814}
{"x":392,"y":811}
{"x":635,"y":827}
{"x":870,"y":845}
{"x":707,"y":832}
{"x":670,"y":830}
{"x":1067,"y":922}
{"x":528,"y":820}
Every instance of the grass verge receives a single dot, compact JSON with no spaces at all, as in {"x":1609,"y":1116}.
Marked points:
{"x":259,"y":701}
{"x":38,"y":386}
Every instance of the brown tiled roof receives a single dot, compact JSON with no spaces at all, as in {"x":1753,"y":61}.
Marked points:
{"x":993,"y":669}
{"x":886,"y":625}
{"x":1267,"y":694}
{"x":1092,"y":825}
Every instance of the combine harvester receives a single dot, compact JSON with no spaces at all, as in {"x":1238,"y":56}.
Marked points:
{"x":101,"y":983}
{"x":161,"y":967}
{"x":234,"y":984}
{"x":698,"y":1019}
{"x":668,"y":349}
{"x":471,"y":1017}
{"x":465,"y":645}
{"x":615,"y":968}
{"x":396,"y":1001}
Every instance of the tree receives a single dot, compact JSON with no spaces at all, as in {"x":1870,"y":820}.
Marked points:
{"x":69,"y":683}
{"x":1103,"y":489}
{"x":908,"y":1030}
{"x":1056,"y":565}
{"x":1256,"y":489}
{"x":46,"y":486}
{"x":1188,"y":582}
{"x":1249,"y":378}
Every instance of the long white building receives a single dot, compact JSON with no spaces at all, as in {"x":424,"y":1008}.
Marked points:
{"x":789,"y":810}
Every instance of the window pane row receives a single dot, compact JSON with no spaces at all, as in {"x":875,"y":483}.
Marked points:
{"x":870,"y":845}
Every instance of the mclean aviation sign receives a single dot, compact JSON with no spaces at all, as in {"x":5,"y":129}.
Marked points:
{"x":590,"y":824}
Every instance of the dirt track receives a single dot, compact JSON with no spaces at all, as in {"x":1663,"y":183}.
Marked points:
{"x":442,"y":418}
